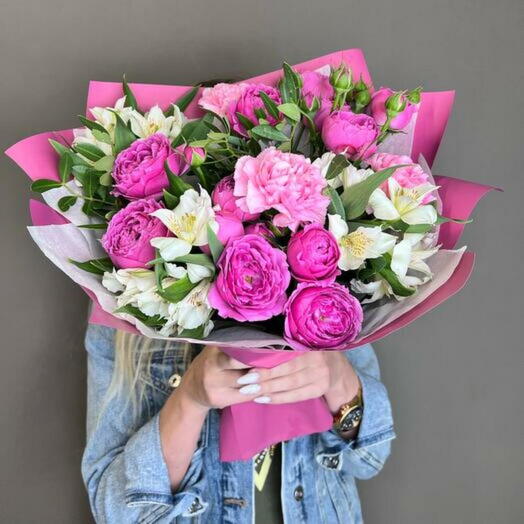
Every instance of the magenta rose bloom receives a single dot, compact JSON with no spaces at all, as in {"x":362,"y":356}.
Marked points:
{"x":379,"y":113}
{"x":129,"y":232}
{"x":316,"y":85}
{"x":313,"y":254}
{"x":322,"y":315}
{"x":223,"y":197}
{"x":183,"y":157}
{"x":252,"y":280}
{"x":248,"y":102}
{"x":139,"y":171}
{"x":286,"y":182}
{"x":352,"y":134}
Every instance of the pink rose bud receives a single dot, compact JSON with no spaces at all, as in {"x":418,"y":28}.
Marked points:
{"x":184,"y":157}
{"x":139,"y":171}
{"x":350,"y":133}
{"x":249,"y":104}
{"x":313,"y":254}
{"x":322,"y":315}
{"x":385,"y":101}
{"x":128,"y":235}
{"x":252,"y":280}
{"x":224,"y":198}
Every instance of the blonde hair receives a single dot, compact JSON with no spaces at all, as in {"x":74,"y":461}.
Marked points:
{"x":132,"y":368}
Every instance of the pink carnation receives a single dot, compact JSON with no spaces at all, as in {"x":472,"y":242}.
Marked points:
{"x":286,"y":182}
{"x":226,"y":201}
{"x":220,"y":97}
{"x":409,"y":176}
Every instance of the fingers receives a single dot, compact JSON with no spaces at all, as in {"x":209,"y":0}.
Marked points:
{"x":224,"y":361}
{"x":296,"y":395}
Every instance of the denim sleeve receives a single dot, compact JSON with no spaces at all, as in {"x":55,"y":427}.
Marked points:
{"x":123,"y":466}
{"x":367,"y":453}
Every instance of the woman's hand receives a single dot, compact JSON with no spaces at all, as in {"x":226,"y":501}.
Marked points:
{"x":311,"y":375}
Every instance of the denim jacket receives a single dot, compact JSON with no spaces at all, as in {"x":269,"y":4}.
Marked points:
{"x":127,"y":479}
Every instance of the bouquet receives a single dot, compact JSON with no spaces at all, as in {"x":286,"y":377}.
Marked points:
{"x":295,"y":211}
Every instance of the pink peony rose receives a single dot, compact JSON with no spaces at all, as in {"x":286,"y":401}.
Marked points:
{"x":183,"y":157}
{"x":248,"y":102}
{"x":313,"y":254}
{"x":287,"y":182}
{"x":322,"y":315}
{"x":318,"y":85}
{"x":229,"y":227}
{"x":252,"y":280}
{"x":260,"y":228}
{"x":220,"y":97}
{"x":409,"y":176}
{"x":129,"y":232}
{"x":379,"y":113}
{"x":352,"y":134}
{"x":139,"y":171}
{"x":224,"y":198}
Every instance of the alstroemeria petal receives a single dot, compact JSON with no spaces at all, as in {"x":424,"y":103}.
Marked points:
{"x":382,"y":206}
{"x":401,"y":257}
{"x":171,"y":248}
{"x":421,"y":215}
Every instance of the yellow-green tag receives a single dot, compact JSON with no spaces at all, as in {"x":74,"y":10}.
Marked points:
{"x":262,"y":464}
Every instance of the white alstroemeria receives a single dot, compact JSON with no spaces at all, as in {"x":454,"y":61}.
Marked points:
{"x":195,"y":272}
{"x":83,"y":135}
{"x":105,"y":116}
{"x":154,"y":121}
{"x":129,"y":284}
{"x":177,"y":272}
{"x":151,"y":303}
{"x":348,"y":177}
{"x":188,"y":222}
{"x":191,"y":312}
{"x":403,"y":203}
{"x":378,"y":289}
{"x":359,"y":245}
{"x":410,"y":253}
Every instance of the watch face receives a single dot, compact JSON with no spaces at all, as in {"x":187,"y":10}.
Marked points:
{"x":352,"y":419}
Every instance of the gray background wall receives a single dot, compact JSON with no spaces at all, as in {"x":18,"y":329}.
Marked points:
{"x":455,"y":376}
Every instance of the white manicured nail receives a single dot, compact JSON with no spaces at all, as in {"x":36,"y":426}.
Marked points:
{"x":250,"y":378}
{"x":262,"y":400}
{"x":250,"y":390}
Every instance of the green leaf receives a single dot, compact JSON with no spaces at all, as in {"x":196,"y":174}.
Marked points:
{"x":92,"y":125}
{"x":216,"y":247}
{"x":106,"y":179}
{"x":199,"y":259}
{"x":93,"y":226}
{"x":356,"y":197}
{"x":184,"y":101}
{"x":105,"y":163}
{"x":194,"y":130}
{"x":374,"y":266}
{"x":197,"y":332}
{"x":419,"y":228}
{"x":44,"y":184}
{"x":177,"y":186}
{"x":269,"y":104}
{"x":292,"y":111}
{"x":335,"y":207}
{"x":246,"y":123}
{"x":399,"y":289}
{"x":178,"y":290}
{"x":290,"y":85}
{"x":89,"y":151}
{"x":98,"y":266}
{"x":217,"y":137}
{"x":102,"y":137}
{"x":153,"y":322}
{"x":170,"y":200}
{"x":269,"y":133}
{"x":443,"y":220}
{"x":130,"y":100}
{"x":64,"y":166}
{"x":124,"y":137}
{"x":58,"y":147}
{"x":66,"y":202}
{"x":337,"y":165}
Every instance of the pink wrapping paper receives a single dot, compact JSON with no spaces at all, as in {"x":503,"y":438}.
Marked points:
{"x":248,"y":428}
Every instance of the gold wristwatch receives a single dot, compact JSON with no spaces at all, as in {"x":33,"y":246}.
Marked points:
{"x":349,"y":415}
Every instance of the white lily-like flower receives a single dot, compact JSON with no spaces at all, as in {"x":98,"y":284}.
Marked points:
{"x":105,"y":116}
{"x":154,"y":121}
{"x":359,"y":245}
{"x":191,"y":312}
{"x":378,"y":289}
{"x":348,"y":177}
{"x":410,"y":253}
{"x":83,"y":135}
{"x":403,"y":203}
{"x":188,"y":222}
{"x":195,"y":272}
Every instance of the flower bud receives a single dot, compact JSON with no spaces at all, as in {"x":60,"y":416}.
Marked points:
{"x":414,"y":95}
{"x":395,"y":104}
{"x":340,"y":79}
{"x":361,"y":86}
{"x":362,"y":98}
{"x":198,"y":156}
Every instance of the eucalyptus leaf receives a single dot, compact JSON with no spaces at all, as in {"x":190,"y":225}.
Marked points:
{"x":356,"y":197}
{"x":291,"y":110}
{"x":64,"y":166}
{"x":44,"y":184}
{"x":269,"y":133}
{"x":92,"y":125}
{"x":216,"y":247}
{"x":106,"y":179}
{"x":89,"y":151}
{"x":66,"y":202}
{"x":269,"y":104}
{"x":102,"y":136}
{"x":246,"y":123}
{"x":105,"y":163}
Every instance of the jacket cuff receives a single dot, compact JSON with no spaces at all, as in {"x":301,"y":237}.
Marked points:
{"x":147,"y":477}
